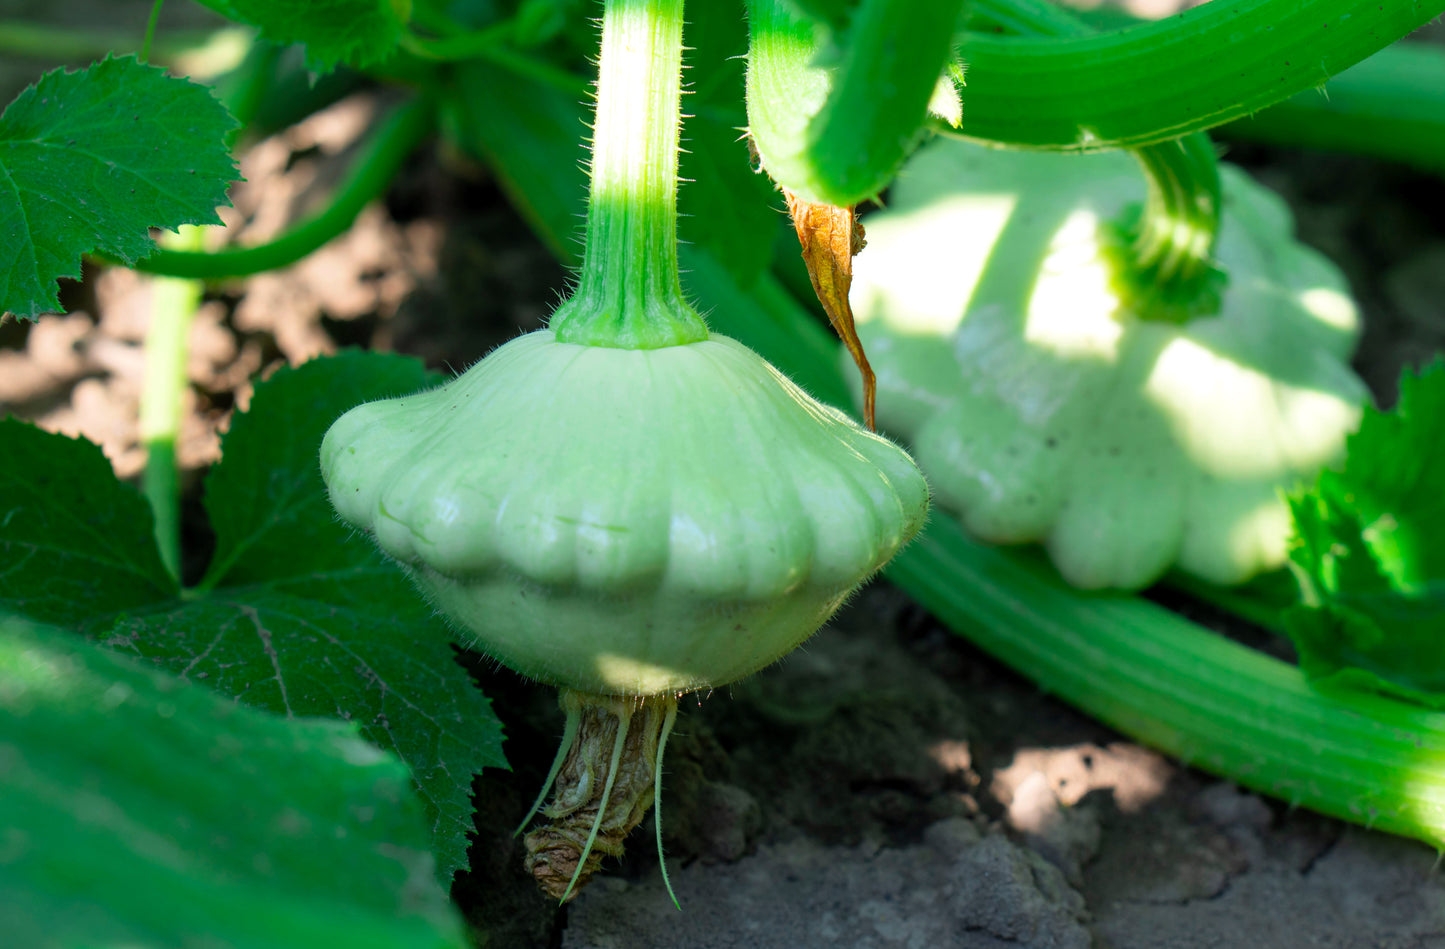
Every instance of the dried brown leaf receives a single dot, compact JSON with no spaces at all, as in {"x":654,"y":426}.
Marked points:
{"x":830,"y":236}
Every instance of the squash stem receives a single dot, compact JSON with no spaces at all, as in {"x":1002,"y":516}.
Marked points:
{"x":1164,"y":266}
{"x":1211,"y":64}
{"x":167,"y":345}
{"x":1162,"y":254}
{"x":607,"y":779}
{"x":624,"y":719}
{"x":569,"y":738}
{"x":367,"y":179}
{"x":629,"y":294}
{"x":832,"y":123}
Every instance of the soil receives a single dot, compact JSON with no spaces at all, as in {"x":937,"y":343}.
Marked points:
{"x":888,"y":784}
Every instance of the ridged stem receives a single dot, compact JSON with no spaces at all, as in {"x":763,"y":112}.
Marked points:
{"x":1391,"y":106}
{"x":1212,"y":703}
{"x":1208,"y":65}
{"x":836,"y":132}
{"x":629,"y":295}
{"x":1163,"y":256}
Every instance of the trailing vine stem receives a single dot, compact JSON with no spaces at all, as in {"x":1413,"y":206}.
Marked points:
{"x":1163,"y":254}
{"x":371,"y":172}
{"x":167,"y":347}
{"x":150,"y":34}
{"x":1159,"y":80}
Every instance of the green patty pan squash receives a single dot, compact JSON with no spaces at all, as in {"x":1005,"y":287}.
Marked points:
{"x":1043,"y":408}
{"x":629,"y":522}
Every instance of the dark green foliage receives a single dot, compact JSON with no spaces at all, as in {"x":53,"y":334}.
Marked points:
{"x":141,"y":810}
{"x":355,"y":32}
{"x":90,"y":159}
{"x":1368,"y":553}
{"x":297,"y":615}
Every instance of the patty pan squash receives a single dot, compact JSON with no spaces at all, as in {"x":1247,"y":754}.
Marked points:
{"x":1042,"y":406}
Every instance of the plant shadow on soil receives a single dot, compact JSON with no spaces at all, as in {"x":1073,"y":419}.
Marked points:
{"x":889,"y":784}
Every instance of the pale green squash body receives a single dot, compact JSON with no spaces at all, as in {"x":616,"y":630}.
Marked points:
{"x":624,"y":521}
{"x":1043,"y":409}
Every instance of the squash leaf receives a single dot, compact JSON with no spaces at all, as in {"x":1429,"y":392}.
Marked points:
{"x":144,"y":810}
{"x":297,"y":614}
{"x":90,"y":159}
{"x":1369,"y":554}
{"x":355,"y":32}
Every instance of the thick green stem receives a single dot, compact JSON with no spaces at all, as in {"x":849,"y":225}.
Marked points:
{"x":1164,"y":258}
{"x":1181,"y":214}
{"x":629,"y":295}
{"x":370,"y":174}
{"x":1391,"y":106}
{"x":1212,"y":703}
{"x":1209,"y":65}
{"x":173,"y":305}
{"x":1163,"y":255}
{"x":837,"y":134}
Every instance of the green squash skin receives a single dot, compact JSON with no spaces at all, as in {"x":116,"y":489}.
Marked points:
{"x":1043,"y":410}
{"x":625,"y":521}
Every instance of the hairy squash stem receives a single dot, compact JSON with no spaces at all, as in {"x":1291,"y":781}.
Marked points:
{"x":1167,"y":78}
{"x":629,"y":294}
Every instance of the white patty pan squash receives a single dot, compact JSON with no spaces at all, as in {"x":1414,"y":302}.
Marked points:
{"x":622,"y":521}
{"x":1043,"y":409}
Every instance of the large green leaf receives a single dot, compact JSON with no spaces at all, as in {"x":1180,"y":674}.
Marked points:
{"x":1370,"y":553}
{"x":74,"y":541}
{"x":357,"y":32}
{"x":141,"y":810}
{"x":89,"y":160}
{"x":297,"y":615}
